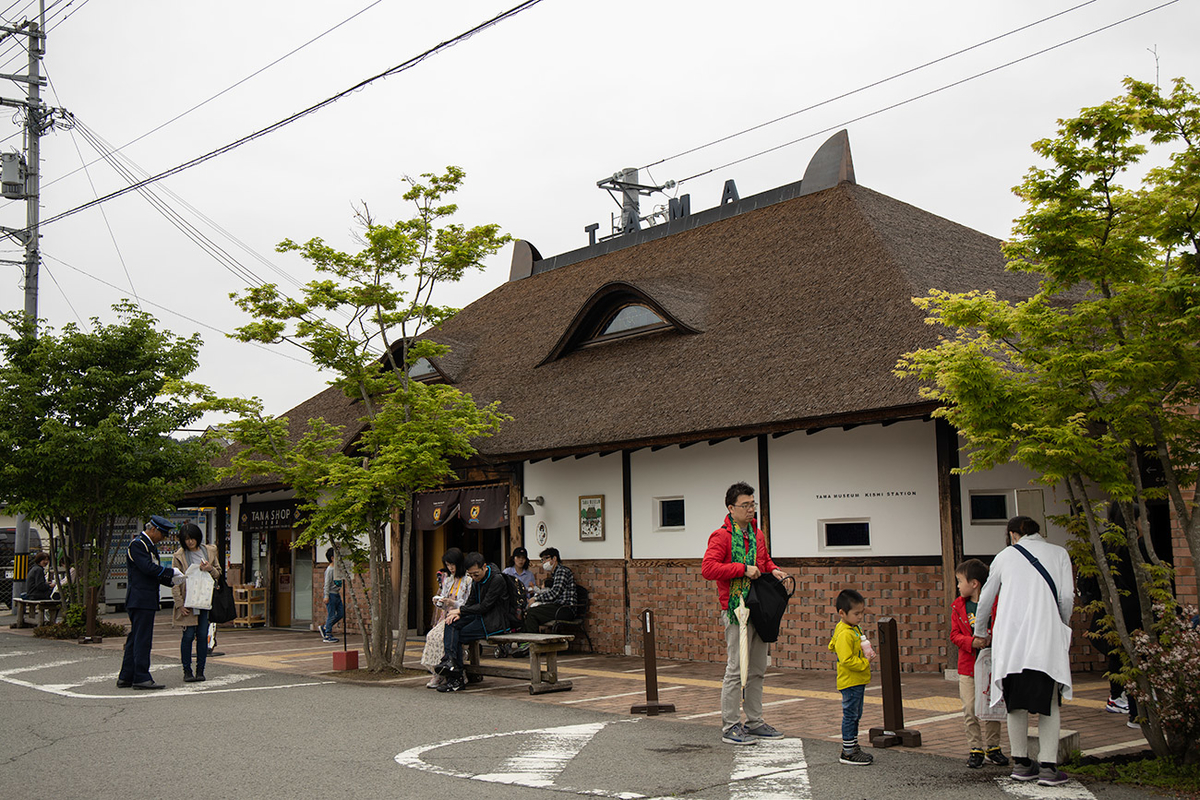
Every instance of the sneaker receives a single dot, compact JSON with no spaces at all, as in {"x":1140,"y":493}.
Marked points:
{"x":738,"y":735}
{"x":330,"y":639}
{"x":446,"y":668}
{"x":762,"y":731}
{"x":1027,"y":772}
{"x":996,"y":757}
{"x":856,"y":757}
{"x":975,"y":760}
{"x":452,"y":684}
{"x":1137,"y":726}
{"x":1052,"y":776}
{"x":1117,"y":706}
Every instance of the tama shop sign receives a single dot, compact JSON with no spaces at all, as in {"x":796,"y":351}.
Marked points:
{"x":268,"y":516}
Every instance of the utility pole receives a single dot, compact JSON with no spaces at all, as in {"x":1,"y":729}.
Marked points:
{"x":22,"y":180}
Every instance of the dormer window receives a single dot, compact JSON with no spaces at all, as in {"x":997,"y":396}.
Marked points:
{"x":422,"y":370}
{"x":628,"y":320}
{"x":616,"y":311}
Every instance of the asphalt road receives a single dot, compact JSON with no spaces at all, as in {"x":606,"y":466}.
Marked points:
{"x":66,"y":731}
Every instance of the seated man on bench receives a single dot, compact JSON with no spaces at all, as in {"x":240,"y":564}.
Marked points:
{"x":489,"y":609}
{"x":557,"y":601}
{"x":36,"y":586}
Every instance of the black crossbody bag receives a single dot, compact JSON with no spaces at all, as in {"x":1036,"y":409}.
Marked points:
{"x":1038,"y":566}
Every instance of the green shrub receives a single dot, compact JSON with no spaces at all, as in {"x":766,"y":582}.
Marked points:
{"x":75,"y":616}
{"x":62,"y":630}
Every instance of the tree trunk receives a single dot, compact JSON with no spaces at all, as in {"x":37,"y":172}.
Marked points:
{"x":405,"y":583}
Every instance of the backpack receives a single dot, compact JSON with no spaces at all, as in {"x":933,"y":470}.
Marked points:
{"x":518,"y":599}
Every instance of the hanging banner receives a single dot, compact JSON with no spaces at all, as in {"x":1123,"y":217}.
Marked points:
{"x":484,"y":507}
{"x":270,"y":516}
{"x":435,"y":508}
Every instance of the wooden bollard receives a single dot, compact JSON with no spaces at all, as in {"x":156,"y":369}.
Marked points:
{"x":651,"y":707}
{"x":893,"y":731}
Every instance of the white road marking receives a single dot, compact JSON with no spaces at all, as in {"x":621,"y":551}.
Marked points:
{"x":543,"y":756}
{"x":771,"y":770}
{"x":614,"y":696}
{"x":16,"y":653}
{"x":551,"y":741}
{"x":36,"y":667}
{"x":1071,"y":790}
{"x":927,"y":720}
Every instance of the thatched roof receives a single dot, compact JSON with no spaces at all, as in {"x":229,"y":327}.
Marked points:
{"x":789,"y":315}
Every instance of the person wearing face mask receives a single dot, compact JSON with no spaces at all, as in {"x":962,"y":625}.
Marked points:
{"x":558,"y":600}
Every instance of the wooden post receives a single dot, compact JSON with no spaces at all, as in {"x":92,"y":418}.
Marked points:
{"x":651,"y":707}
{"x":893,"y":731}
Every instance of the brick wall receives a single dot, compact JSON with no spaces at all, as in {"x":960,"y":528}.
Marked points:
{"x":687,"y":624}
{"x":1186,"y":588}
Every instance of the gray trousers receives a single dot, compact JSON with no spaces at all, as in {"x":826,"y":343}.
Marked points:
{"x":732,"y":702}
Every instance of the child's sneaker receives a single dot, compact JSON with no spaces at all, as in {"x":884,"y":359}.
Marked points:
{"x":856,"y":757}
{"x":996,"y":757}
{"x":329,"y":639}
{"x":1117,"y":706}
{"x":975,"y":760}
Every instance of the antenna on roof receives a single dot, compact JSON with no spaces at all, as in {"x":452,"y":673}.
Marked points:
{"x":626,"y":182}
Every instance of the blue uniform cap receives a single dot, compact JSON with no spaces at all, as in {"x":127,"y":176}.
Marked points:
{"x":162,"y":523}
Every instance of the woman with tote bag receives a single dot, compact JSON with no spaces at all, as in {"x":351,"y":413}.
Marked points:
{"x":193,"y":552}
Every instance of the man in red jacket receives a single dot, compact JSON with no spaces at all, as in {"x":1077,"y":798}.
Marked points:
{"x":737,"y":554}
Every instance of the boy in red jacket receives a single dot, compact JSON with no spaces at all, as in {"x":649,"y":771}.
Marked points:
{"x":972,"y":574}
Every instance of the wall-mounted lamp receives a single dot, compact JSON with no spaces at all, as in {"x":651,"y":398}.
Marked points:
{"x":526,"y":507}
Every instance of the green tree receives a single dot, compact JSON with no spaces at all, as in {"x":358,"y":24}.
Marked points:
{"x":1098,"y":373}
{"x":354,"y":485}
{"x":86,"y":418}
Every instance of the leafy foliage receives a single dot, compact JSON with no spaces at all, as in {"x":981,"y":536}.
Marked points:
{"x":86,"y":418}
{"x":1093,"y":381}
{"x":353,"y":481}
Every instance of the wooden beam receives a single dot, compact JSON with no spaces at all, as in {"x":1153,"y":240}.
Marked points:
{"x":711,"y":442}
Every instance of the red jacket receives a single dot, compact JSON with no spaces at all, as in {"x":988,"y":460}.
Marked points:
{"x":962,"y":634}
{"x":717,"y":565}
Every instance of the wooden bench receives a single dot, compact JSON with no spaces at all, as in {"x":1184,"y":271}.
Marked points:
{"x":542,"y":671}
{"x":40,"y":606}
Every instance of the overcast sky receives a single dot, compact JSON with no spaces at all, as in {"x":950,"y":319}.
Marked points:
{"x":536,"y":110}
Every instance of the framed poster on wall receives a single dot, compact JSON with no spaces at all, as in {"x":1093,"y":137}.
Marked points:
{"x":591,"y":518}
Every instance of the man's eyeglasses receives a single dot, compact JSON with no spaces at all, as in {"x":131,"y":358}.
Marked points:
{"x":746,"y":506}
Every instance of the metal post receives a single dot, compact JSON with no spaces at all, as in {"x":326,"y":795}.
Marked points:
{"x":651,"y":707}
{"x":893,"y":731}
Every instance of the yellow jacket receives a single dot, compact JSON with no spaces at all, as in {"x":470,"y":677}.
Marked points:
{"x":853,"y":668}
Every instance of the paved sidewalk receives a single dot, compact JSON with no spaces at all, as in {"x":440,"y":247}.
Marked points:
{"x":799,"y":702}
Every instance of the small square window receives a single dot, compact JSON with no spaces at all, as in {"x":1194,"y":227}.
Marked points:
{"x":847,"y":533}
{"x":670,"y":512}
{"x":989,"y":508}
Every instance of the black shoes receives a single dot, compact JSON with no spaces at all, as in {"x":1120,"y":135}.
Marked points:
{"x":454,"y":683}
{"x":150,"y":684}
{"x":975,"y":760}
{"x":193,"y":678}
{"x":123,"y":684}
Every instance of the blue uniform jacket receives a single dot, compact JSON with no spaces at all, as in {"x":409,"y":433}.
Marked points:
{"x":146,"y":573}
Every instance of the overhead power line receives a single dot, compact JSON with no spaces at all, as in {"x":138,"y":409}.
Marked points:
{"x":402,"y":67}
{"x":872,"y":85}
{"x":929,"y":93}
{"x":224,"y":91}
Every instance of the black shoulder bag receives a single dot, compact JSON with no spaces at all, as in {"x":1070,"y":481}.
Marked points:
{"x":1038,"y":566}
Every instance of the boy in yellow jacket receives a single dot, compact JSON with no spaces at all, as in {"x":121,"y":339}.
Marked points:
{"x":853,"y":672}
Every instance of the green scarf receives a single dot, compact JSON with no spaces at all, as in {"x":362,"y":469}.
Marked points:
{"x":739,"y":588}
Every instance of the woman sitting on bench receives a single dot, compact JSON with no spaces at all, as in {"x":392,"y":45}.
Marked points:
{"x":36,"y":587}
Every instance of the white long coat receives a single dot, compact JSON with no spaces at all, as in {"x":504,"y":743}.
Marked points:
{"x":1031,"y":631}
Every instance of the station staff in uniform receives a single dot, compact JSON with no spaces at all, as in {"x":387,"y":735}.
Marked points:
{"x":146,"y":573}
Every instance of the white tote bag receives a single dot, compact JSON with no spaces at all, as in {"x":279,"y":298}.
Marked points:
{"x":199,"y":588}
{"x":984,"y":710}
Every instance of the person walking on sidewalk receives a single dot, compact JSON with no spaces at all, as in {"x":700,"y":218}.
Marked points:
{"x":737,"y":554}
{"x":146,"y":573}
{"x":335,"y":609}
{"x":1030,"y":642}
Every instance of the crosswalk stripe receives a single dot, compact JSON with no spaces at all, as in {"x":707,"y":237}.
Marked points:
{"x":36,"y":667}
{"x":1031,"y":790}
{"x":543,"y":756}
{"x":770,"y":770}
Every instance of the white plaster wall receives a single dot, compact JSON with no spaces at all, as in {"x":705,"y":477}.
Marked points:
{"x":885,"y":474}
{"x":699,"y":474}
{"x":560,"y":484}
{"x":989,"y":539}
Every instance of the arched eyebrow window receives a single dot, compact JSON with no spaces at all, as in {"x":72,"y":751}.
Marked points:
{"x":631,"y":318}
{"x":616,"y":311}
{"x":422,"y":370}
